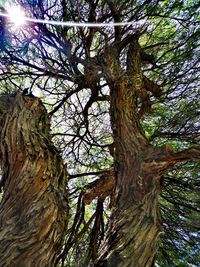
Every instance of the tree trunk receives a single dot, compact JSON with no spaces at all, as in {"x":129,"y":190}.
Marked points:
{"x":135,"y":227}
{"x":134,"y":230}
{"x":33,"y":210}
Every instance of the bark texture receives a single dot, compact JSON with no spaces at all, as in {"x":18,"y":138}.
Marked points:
{"x":135,"y":227}
{"x":33,"y":211}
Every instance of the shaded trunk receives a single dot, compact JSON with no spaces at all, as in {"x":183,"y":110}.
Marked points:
{"x":134,"y":229}
{"x":33,"y":210}
{"x":133,"y":236}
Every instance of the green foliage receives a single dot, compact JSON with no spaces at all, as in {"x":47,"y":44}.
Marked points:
{"x":53,"y":62}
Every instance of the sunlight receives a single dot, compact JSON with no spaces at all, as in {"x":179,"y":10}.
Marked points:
{"x":16,"y":16}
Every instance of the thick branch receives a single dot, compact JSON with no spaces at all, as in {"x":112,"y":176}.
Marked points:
{"x":152,"y":87}
{"x":192,"y":153}
{"x":101,"y":187}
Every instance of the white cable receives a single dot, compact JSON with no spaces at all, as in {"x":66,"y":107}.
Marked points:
{"x":74,"y":24}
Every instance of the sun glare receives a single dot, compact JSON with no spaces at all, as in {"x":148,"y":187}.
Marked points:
{"x":16,"y":16}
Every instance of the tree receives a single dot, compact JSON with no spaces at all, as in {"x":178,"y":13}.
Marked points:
{"x":123,"y":102}
{"x":33,"y":209}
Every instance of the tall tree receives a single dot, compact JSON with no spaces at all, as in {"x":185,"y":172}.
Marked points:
{"x":123,"y":102}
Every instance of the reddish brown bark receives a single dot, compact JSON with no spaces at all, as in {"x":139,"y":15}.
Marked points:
{"x":135,"y":227}
{"x":101,"y":188}
{"x":33,"y":210}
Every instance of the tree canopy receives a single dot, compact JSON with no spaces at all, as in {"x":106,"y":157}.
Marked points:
{"x":73,"y":69}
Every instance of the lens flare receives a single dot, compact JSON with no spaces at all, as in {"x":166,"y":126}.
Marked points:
{"x":16,"y":16}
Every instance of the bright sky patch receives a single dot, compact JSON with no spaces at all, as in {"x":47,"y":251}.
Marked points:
{"x":16,"y":15}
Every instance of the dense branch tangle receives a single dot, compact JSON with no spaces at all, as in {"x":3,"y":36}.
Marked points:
{"x":80,"y":72}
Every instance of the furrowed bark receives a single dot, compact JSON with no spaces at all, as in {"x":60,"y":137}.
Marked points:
{"x":135,"y":227}
{"x":33,"y":211}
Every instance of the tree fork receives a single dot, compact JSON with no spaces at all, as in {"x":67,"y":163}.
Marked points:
{"x":33,"y":211}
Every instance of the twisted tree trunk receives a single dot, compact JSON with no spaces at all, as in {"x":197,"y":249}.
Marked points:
{"x":135,"y":227}
{"x":33,"y":210}
{"x":133,"y":236}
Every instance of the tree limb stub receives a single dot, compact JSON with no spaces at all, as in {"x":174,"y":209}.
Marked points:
{"x":101,"y":188}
